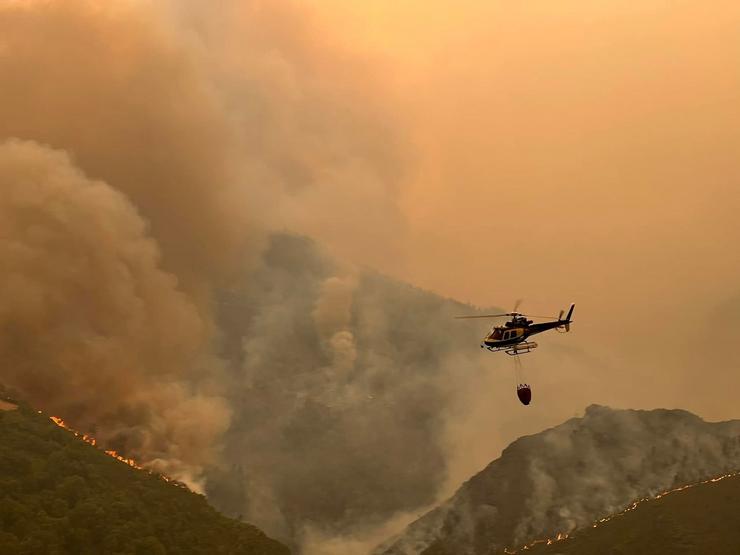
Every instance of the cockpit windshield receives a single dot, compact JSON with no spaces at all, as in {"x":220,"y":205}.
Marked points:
{"x":496,"y":334}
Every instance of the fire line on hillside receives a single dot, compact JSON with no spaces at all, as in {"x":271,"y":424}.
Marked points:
{"x":564,"y":536}
{"x":111,"y":453}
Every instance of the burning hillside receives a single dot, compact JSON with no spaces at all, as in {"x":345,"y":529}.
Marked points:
{"x":701,"y":518}
{"x":61,"y":494}
{"x":562,"y":536}
{"x":91,"y":440}
{"x":572,"y":476}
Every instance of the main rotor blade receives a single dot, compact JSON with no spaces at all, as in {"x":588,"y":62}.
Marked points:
{"x":505,"y":314}
{"x":482,"y":316}
{"x":517,"y":304}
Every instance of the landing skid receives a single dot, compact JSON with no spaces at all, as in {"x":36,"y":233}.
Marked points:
{"x":513,"y":350}
{"x":521,"y":348}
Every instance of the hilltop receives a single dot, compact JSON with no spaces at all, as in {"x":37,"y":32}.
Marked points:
{"x":60,"y":495}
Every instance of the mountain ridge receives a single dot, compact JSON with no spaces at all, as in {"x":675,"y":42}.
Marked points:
{"x":569,"y":476}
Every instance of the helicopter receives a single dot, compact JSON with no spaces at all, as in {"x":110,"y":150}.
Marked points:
{"x":512,"y":336}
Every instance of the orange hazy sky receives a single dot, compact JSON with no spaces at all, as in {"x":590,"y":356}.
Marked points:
{"x":581,"y":151}
{"x":578,"y":150}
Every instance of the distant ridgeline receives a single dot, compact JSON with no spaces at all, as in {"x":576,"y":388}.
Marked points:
{"x":60,"y":495}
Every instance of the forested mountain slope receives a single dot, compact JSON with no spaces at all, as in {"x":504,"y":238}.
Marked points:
{"x":60,"y":495}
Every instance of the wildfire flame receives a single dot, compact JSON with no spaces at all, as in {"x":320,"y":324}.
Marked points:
{"x":631,"y":507}
{"x":131,"y":462}
{"x":84,"y":437}
{"x":111,"y":453}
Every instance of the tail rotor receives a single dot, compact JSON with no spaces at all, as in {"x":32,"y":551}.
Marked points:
{"x":565,"y":322}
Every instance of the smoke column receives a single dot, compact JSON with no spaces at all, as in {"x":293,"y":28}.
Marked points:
{"x":146,"y":298}
{"x":93,"y":327}
{"x":161,"y":165}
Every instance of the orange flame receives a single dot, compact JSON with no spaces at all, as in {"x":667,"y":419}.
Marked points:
{"x":84,"y":437}
{"x":131,"y":462}
{"x":111,"y":453}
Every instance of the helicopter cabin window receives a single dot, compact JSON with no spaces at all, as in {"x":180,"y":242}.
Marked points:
{"x":496,"y":334}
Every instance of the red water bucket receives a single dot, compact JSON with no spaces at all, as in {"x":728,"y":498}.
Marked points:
{"x":524,"y":393}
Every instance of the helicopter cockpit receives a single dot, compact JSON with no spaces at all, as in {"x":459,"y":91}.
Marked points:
{"x":500,"y":333}
{"x":496,"y":334}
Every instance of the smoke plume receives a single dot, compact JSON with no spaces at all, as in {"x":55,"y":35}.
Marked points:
{"x":162,"y":165}
{"x":147,"y":156}
{"x":341,"y":384}
{"x":93,"y":327}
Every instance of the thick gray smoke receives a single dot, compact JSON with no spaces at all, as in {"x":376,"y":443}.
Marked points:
{"x":146,"y":157}
{"x":341,"y":383}
{"x":151,"y":157}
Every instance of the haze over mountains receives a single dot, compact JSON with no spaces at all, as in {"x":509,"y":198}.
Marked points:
{"x":145,"y":169}
{"x":65,"y":496}
{"x":570,"y":476}
{"x":162,"y":163}
{"x":342,"y":384}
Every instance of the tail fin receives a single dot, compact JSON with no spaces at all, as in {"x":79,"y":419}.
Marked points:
{"x":565,"y":323}
{"x":570,"y":313}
